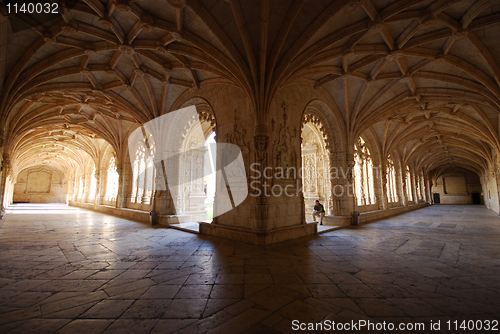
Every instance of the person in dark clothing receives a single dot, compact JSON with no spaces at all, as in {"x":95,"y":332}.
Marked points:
{"x":319,"y":210}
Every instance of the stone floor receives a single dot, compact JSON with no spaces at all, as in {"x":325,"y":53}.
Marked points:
{"x":69,"y":270}
{"x":195,"y":227}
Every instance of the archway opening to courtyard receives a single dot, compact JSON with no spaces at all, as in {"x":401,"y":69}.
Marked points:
{"x":197,"y":172}
{"x":209,"y":178}
{"x":364,"y":176}
{"x":315,"y":167}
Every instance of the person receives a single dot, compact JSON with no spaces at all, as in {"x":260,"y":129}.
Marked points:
{"x":319,"y":210}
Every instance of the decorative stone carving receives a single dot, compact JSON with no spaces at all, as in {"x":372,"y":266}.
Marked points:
{"x":283,"y":151}
{"x":188,"y":194}
{"x":122,"y":6}
{"x":50,"y":40}
{"x":261,"y":143}
{"x":106,"y":22}
{"x":179,"y":4}
{"x":315,"y":163}
{"x":238,"y":138}
{"x":205,"y":116}
{"x":177,"y":36}
{"x":313,"y":119}
{"x":146,"y":26}
{"x":126,"y":49}
{"x":69,"y":29}
{"x":90,"y":53}
{"x":309,"y":174}
{"x":161,"y":49}
{"x":205,"y":111}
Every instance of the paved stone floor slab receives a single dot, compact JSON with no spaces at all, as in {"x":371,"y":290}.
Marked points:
{"x":68,"y":270}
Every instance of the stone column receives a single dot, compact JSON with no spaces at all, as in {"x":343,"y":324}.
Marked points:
{"x":98,"y":185}
{"x":414,"y":188}
{"x":362,"y":185}
{"x":400,"y":186}
{"x":169,"y":200}
{"x":310,"y":180}
{"x":148,"y":184}
{"x":162,"y":204}
{"x":10,"y":190}
{"x":330,"y":179}
{"x":326,"y":186}
{"x":379,"y":185}
{"x":86,"y":187}
{"x":6,"y":170}
{"x":336,"y":183}
{"x":342,"y":188}
{"x":70,"y":187}
{"x":428,"y":189}
{"x":351,"y":198}
{"x":195,"y":196}
{"x":497,"y":179}
{"x":173,"y":166}
{"x":103,"y":182}
{"x":423,"y":187}
{"x":76,"y":187}
{"x":274,"y":209}
{"x":145,"y":197}
{"x":123,"y":189}
{"x":261,"y":143}
{"x":405,"y":185}
{"x":73,"y":187}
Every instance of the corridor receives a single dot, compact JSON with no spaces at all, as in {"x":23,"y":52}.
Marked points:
{"x":69,"y":270}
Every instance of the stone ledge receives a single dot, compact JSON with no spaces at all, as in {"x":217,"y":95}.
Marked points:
{"x":256,"y":237}
{"x":337,"y":221}
{"x":167,"y":220}
{"x":132,"y":214}
{"x":370,"y":216}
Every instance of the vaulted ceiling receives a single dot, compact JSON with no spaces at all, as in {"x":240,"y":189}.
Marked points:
{"x":422,"y":77}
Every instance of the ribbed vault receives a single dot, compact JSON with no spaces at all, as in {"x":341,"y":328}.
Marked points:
{"x":421,"y":76}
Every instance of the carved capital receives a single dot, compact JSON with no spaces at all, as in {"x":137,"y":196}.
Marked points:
{"x":179,"y":4}
{"x":126,"y":49}
{"x":106,"y":22}
{"x":177,"y":36}
{"x":261,"y":142}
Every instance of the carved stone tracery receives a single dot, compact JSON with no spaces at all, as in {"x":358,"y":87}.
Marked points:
{"x":316,"y":159}
{"x":284,"y":154}
{"x":189,"y":196}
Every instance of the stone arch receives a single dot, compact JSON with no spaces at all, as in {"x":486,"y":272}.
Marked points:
{"x":336,"y":136}
{"x":109,"y":186}
{"x":379,"y":165}
{"x":206,"y":117}
{"x":396,"y":160}
{"x":107,"y":154}
{"x":315,"y":157}
{"x":91,"y":170}
{"x":191,"y":194}
{"x":372,"y":142}
{"x":143,"y":174}
{"x":319,"y":139}
{"x":206,"y":114}
{"x":364,"y":175}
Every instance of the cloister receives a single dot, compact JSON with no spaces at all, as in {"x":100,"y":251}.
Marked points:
{"x":393,"y":97}
{"x":376,"y":108}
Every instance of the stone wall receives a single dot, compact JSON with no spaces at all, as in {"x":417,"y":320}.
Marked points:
{"x":135,"y":215}
{"x":39,"y":185}
{"x":457,"y":186}
{"x":491,"y":195}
